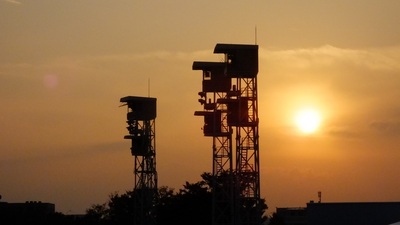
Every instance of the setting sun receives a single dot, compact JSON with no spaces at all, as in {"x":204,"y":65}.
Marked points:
{"x":308,"y":120}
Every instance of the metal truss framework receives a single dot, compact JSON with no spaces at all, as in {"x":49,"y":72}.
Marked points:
{"x":215,"y":87}
{"x":141,"y":126}
{"x":223,"y":195}
{"x":236,"y":193}
{"x":247,"y":155}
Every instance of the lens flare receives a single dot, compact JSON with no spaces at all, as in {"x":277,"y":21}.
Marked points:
{"x":50,"y":81}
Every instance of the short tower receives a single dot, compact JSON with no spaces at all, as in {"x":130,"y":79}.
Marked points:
{"x":141,"y":116}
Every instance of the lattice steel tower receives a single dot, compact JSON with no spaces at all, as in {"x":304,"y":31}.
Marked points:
{"x":141,"y":126}
{"x":216,"y":86}
{"x":230,"y":104}
{"x":241,"y":64}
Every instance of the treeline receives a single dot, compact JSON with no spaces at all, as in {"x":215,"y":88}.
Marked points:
{"x":190,"y":205}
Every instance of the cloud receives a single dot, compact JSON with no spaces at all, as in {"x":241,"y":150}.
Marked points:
{"x":343,"y":132}
{"x":330,"y":56}
{"x":156,"y":56}
{"x":13,"y":2}
{"x":351,"y":73}
{"x":387,"y":128}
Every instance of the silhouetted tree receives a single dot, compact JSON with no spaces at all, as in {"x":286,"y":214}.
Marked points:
{"x":190,"y":205}
{"x":276,"y":220}
{"x":228,"y":183}
{"x":117,"y":211}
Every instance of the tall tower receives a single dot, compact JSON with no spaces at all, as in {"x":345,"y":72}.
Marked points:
{"x":141,"y":126}
{"x":215,"y":86}
{"x":230,"y":102}
{"x":241,"y":65}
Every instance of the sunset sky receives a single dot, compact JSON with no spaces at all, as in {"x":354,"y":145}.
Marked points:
{"x":64,"y":65}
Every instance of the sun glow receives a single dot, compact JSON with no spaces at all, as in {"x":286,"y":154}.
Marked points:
{"x":308,"y":121}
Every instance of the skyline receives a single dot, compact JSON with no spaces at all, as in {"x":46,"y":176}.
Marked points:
{"x":65,"y":65}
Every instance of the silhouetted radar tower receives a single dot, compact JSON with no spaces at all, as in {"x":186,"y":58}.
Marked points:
{"x":216,"y":86}
{"x":141,"y":126}
{"x":241,"y":64}
{"x":229,"y":97}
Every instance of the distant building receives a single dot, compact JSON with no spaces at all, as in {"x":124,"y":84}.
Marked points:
{"x":25,"y":213}
{"x":350,"y":213}
{"x":353,"y":213}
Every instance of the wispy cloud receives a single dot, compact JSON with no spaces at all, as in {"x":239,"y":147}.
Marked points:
{"x":374,"y":59}
{"x":388,"y":128}
{"x":343,"y":132}
{"x":13,"y":2}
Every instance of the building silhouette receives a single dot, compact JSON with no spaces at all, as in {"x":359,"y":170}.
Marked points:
{"x":341,"y":213}
{"x":30,"y":212}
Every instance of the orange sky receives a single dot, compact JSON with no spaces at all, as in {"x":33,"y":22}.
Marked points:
{"x":65,"y":64}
